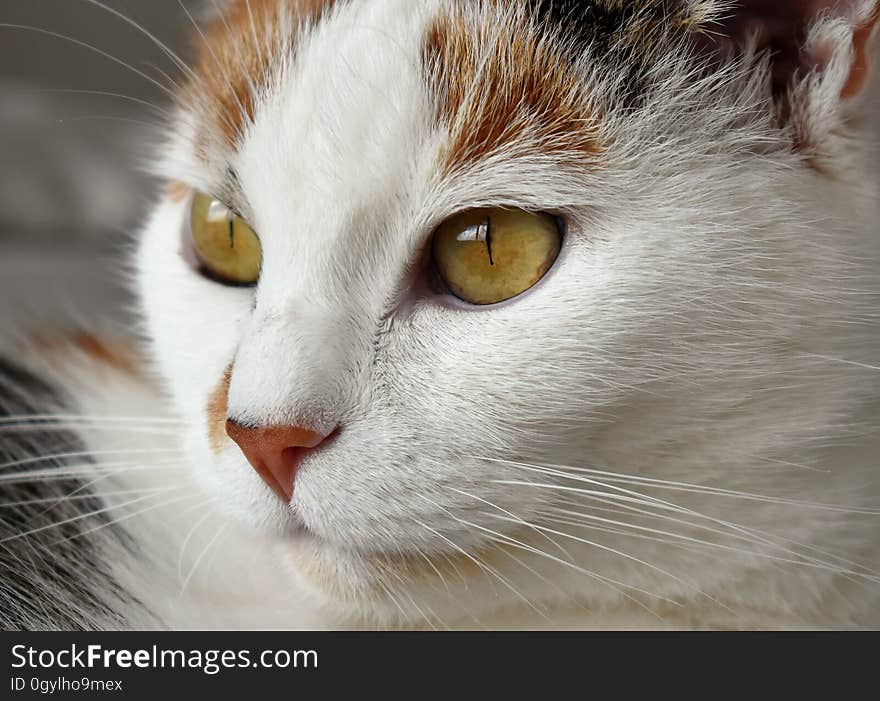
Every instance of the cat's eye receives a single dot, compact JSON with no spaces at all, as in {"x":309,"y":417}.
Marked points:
{"x":225,"y":247}
{"x":486,"y":256}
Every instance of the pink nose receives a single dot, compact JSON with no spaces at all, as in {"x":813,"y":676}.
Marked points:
{"x":275,"y":452}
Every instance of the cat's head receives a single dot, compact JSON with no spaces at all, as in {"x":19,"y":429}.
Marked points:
{"x":443,"y":286}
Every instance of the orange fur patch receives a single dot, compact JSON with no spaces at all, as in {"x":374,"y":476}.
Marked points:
{"x":117,"y":355}
{"x":236,"y":52}
{"x":502,"y":85}
{"x":216,"y":412}
{"x":177,"y":191}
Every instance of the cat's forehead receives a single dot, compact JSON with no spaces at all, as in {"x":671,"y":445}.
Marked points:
{"x":316,"y":84}
{"x":355,"y":95}
{"x":337,"y":129}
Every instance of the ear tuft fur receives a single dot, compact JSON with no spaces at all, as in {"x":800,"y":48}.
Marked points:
{"x":819,"y":53}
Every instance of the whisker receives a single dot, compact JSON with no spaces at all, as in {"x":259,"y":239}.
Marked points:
{"x":412,"y":600}
{"x":636,"y":497}
{"x":481,"y":565}
{"x":225,"y":118}
{"x":843,"y":361}
{"x":198,"y":561}
{"x":238,"y":55}
{"x":179,"y":62}
{"x":90,"y":495}
{"x":431,"y":564}
{"x":125,"y":517}
{"x":88,"y":417}
{"x":253,"y":32}
{"x":112,"y":118}
{"x":388,"y":592}
{"x":83,"y":428}
{"x":96,"y":93}
{"x":564,"y":471}
{"x":751,"y":535}
{"x":606,"y":580}
{"x":90,"y":47}
{"x":531,"y":570}
{"x":164,"y":74}
{"x":87,"y":454}
{"x":656,"y":503}
{"x":88,"y":484}
{"x":796,"y":558}
{"x":189,"y":536}
{"x":519,"y":520}
{"x":85,"y":470}
{"x":615,"y":585}
{"x":73,"y":519}
{"x":632,"y":558}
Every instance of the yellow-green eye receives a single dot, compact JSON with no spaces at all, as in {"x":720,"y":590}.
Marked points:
{"x":227,"y":249}
{"x":488,"y":255}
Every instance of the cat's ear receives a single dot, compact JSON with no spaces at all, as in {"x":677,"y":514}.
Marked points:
{"x":823,"y":55}
{"x":804,"y":36}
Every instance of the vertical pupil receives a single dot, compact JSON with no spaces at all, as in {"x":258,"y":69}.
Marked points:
{"x":230,"y":219}
{"x":479,"y":232}
{"x":489,"y":239}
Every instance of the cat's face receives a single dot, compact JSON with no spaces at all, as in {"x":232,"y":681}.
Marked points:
{"x":345,"y":134}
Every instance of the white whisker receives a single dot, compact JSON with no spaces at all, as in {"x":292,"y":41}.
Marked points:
{"x":632,"y":558}
{"x":90,"y":47}
{"x":83,"y":428}
{"x":17,"y":418}
{"x":188,"y":537}
{"x":564,"y":472}
{"x":97,"y":93}
{"x":86,"y":454}
{"x":680,"y":539}
{"x":518,"y":520}
{"x":73,"y":519}
{"x":90,"y":495}
{"x":86,"y":470}
{"x":198,"y":561}
{"x":179,"y":62}
{"x":481,"y":565}
{"x":125,"y":517}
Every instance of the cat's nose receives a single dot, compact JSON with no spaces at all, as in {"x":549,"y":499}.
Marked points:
{"x":275,"y":452}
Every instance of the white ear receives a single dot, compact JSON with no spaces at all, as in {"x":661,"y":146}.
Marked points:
{"x":823,"y":54}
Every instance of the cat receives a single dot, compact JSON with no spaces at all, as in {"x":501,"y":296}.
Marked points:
{"x":479,"y":314}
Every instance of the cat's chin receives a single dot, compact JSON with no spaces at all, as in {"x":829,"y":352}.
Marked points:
{"x":373,"y":588}
{"x":352,"y":584}
{"x":342,"y":579}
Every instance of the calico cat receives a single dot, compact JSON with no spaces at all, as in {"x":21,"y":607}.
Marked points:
{"x":480,"y":313}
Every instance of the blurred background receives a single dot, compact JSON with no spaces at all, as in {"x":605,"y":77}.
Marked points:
{"x":76,"y":131}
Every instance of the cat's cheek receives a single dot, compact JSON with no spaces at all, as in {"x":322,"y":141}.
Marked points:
{"x":195,"y":326}
{"x":191,"y":323}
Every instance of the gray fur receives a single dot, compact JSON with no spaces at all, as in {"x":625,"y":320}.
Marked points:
{"x":56,"y":578}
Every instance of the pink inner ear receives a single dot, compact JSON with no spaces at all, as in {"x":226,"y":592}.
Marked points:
{"x":863,"y":43}
{"x":781,"y":20}
{"x":781,"y":26}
